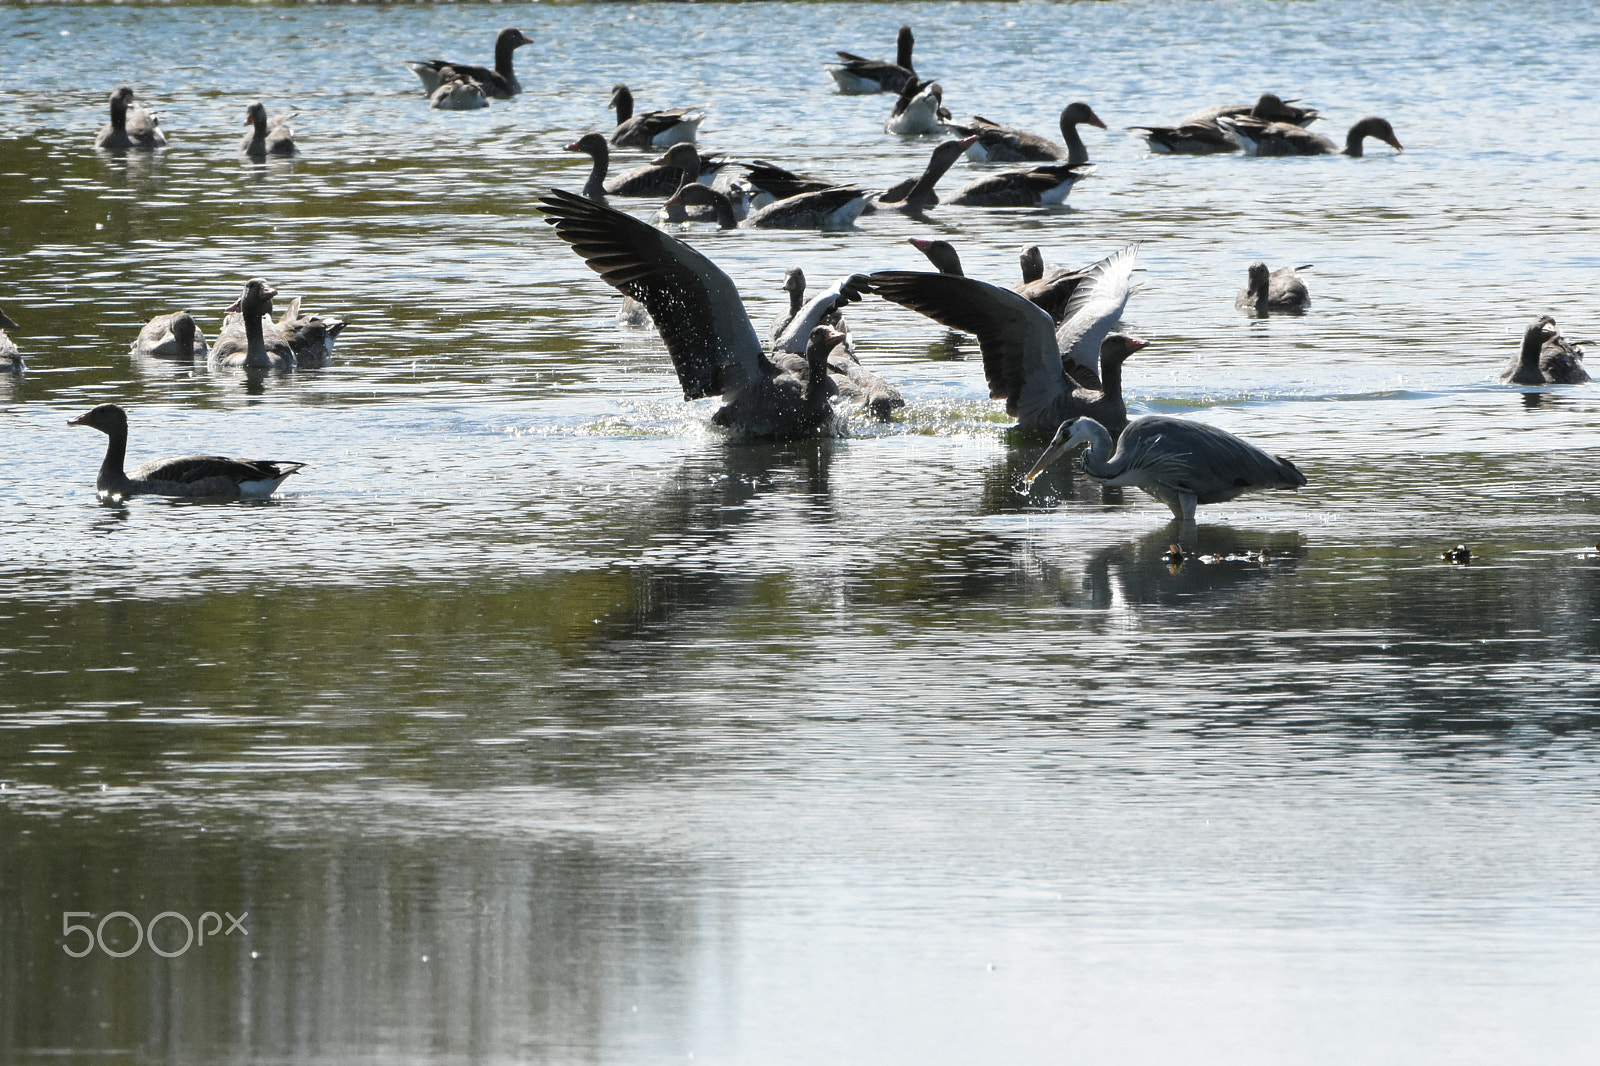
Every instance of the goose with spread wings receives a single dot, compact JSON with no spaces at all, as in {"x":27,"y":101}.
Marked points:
{"x":702,"y":320}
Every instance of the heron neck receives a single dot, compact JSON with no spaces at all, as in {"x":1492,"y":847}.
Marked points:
{"x":1097,"y":456}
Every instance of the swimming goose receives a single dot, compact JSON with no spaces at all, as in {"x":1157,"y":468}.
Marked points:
{"x":1179,"y":462}
{"x":265,"y":139}
{"x":701,"y":318}
{"x":247,"y":345}
{"x":1282,"y":138}
{"x":857,"y":76}
{"x":918,"y":110}
{"x":183,"y":475}
{"x":651,"y":129}
{"x":131,"y":126}
{"x":826,"y":209}
{"x":916,"y":194}
{"x":11,"y":361}
{"x":1279,"y":290}
{"x":174,"y":336}
{"x":1004,"y":144}
{"x":1028,"y":187}
{"x":1200,"y":132}
{"x":456,"y":93}
{"x":1022,"y":361}
{"x":1545,"y":358}
{"x":1269,"y":107}
{"x":500,"y":83}
{"x":681,"y":165}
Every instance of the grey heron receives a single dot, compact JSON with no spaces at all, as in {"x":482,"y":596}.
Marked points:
{"x":1179,"y":462}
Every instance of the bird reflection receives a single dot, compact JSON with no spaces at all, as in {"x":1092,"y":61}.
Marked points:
{"x":1218,"y":561}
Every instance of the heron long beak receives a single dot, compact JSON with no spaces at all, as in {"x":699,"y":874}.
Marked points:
{"x":1051,"y":454}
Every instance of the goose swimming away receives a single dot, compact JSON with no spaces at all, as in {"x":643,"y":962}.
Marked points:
{"x":246,"y":344}
{"x":857,"y":76}
{"x":1283,"y":138}
{"x":702,"y":320}
{"x":183,"y":475}
{"x":174,"y":336}
{"x":500,"y":83}
{"x":1043,"y":185}
{"x":131,"y":126}
{"x":1179,"y":462}
{"x":1200,"y":133}
{"x":651,"y":129}
{"x":1021,"y":359}
{"x":1004,"y":144}
{"x":681,"y":165}
{"x":1545,"y":358}
{"x":826,"y":209}
{"x":265,"y":139}
{"x":456,"y":93}
{"x":11,"y":361}
{"x":1279,"y":290}
{"x":918,"y":110}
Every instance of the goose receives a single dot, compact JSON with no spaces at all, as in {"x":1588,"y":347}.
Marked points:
{"x":131,"y":126}
{"x":826,"y":209}
{"x":1051,"y":293}
{"x":852,"y":381}
{"x":182,"y":475}
{"x":455,"y":93}
{"x":1545,"y":358}
{"x":174,"y":336}
{"x":11,"y":361}
{"x":310,"y":338}
{"x":1096,"y":304}
{"x":266,"y":139}
{"x":651,"y":129}
{"x":682,"y":164}
{"x":1022,"y":360}
{"x":1045,"y":185}
{"x":916,"y":194}
{"x":246,"y":344}
{"x":1200,"y":132}
{"x":702,"y":320}
{"x":1179,"y":462}
{"x":1003,"y":144}
{"x":1279,"y":290}
{"x":858,"y":76}
{"x":918,"y":110}
{"x":1283,"y":138}
{"x":500,"y":83}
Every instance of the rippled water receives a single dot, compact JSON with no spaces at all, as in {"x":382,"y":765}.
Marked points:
{"x":536,"y":721}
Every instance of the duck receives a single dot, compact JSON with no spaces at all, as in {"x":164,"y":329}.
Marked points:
{"x":131,"y":126}
{"x":1040,"y":186}
{"x":11,"y":361}
{"x":830,"y":209}
{"x":500,"y":83}
{"x":267,"y":138}
{"x":1022,"y":360}
{"x":1278,"y":290}
{"x":455,"y":93}
{"x":182,"y":475}
{"x":1545,"y":358}
{"x":1282,"y":138}
{"x":1200,"y":132}
{"x":245,"y":345}
{"x":174,"y":336}
{"x":1180,"y":462}
{"x":1005,"y":144}
{"x":1052,"y":292}
{"x":680,"y":165}
{"x":703,"y":321}
{"x":857,"y":76}
{"x":918,"y":110}
{"x":651,"y":129}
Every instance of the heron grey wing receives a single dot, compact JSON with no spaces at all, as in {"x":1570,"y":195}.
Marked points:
{"x":1020,"y":358}
{"x":1095,"y":305}
{"x":793,"y":337}
{"x":695,"y":306}
{"x":1194,"y":457}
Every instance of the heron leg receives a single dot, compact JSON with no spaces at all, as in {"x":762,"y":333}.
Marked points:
{"x":1183,"y":508}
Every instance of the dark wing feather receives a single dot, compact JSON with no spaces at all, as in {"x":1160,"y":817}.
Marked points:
{"x":780,"y":183}
{"x":695,"y":306}
{"x":190,"y":469}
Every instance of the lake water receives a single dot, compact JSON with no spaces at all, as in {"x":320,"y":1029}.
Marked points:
{"x":535,"y":721}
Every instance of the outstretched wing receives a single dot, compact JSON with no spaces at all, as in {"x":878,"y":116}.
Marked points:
{"x":834,"y":298}
{"x":694,"y":305}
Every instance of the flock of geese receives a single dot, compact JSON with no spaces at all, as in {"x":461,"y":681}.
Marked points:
{"x":1049,"y":344}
